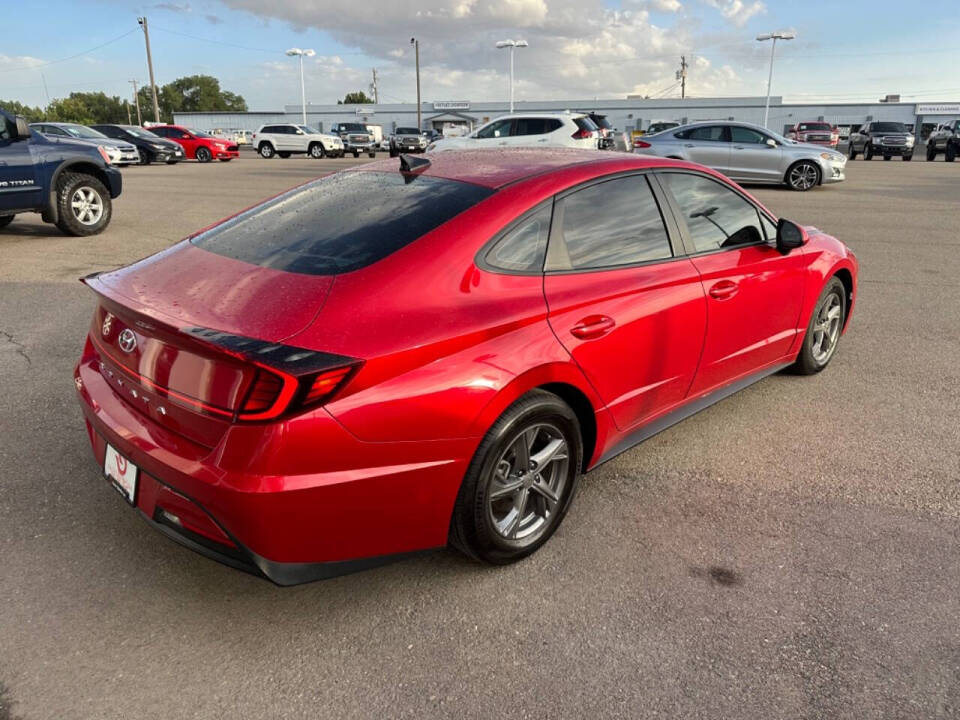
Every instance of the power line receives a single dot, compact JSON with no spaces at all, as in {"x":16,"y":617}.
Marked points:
{"x":71,"y":57}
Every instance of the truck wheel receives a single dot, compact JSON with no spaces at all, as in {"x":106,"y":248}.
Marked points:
{"x":867,"y":151}
{"x":83,"y":204}
{"x":372,"y":154}
{"x":886,"y":157}
{"x":5,"y":220}
{"x":316,"y":151}
{"x":851,"y":151}
{"x":393,"y":151}
{"x":265,"y":150}
{"x":951,"y":154}
{"x":931,"y":152}
{"x":356,"y":153}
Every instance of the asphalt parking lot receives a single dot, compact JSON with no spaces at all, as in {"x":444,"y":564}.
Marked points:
{"x":790,"y":552}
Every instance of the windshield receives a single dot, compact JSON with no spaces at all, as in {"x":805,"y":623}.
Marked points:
{"x":198,"y":133}
{"x":80,"y":131}
{"x":407,"y":131}
{"x":352,"y":127}
{"x":889,"y":127}
{"x":307,"y":129}
{"x":140,"y":132}
{"x":330,"y":225}
{"x":814,"y":126}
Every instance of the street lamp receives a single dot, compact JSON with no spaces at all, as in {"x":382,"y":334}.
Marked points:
{"x":416,"y":47}
{"x":511,"y":44}
{"x":781,"y":35}
{"x":297,"y":52}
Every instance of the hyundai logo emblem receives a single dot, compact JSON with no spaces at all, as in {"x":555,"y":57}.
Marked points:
{"x":127,"y":340}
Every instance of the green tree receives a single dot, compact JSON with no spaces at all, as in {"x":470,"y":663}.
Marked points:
{"x":356,"y":98}
{"x":87,"y":109}
{"x":195,"y":93}
{"x":32,"y":114}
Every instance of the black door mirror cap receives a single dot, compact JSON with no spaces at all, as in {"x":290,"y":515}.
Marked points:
{"x":790,"y":236}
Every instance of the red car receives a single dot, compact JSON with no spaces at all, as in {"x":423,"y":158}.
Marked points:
{"x":320,"y":383}
{"x":817,"y":133}
{"x":197,"y":145}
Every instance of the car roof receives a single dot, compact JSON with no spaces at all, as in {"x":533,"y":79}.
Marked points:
{"x":565,"y":114}
{"x":494,"y":168}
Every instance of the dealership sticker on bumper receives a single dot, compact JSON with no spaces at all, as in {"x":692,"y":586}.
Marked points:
{"x":122,"y":473}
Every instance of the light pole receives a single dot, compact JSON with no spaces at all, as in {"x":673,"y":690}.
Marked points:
{"x":416,"y":47}
{"x":511,"y":44}
{"x":297,"y":52}
{"x":781,"y":35}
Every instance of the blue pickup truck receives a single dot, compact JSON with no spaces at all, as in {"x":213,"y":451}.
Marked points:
{"x":70,"y":184}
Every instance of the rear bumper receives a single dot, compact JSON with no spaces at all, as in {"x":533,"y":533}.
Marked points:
{"x":294,"y":501}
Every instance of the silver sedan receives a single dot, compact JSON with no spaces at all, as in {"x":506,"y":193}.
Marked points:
{"x":748,"y":154}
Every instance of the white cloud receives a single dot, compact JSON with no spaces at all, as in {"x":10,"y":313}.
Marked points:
{"x":737,"y":11}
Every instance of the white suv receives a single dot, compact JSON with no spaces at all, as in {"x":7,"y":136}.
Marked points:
{"x":566,"y":129}
{"x":284,"y":140}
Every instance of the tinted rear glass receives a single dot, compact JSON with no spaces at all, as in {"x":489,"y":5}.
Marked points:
{"x":342,"y":222}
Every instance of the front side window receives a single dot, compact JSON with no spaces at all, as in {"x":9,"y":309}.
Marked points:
{"x":612,"y":223}
{"x":331,"y":226}
{"x":716,"y":216}
{"x":747,"y":136}
{"x":523,"y":248}
{"x":499,"y":128}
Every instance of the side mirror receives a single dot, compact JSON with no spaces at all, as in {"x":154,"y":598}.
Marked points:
{"x":23,"y":128}
{"x":771,"y":142}
{"x":790,"y":236}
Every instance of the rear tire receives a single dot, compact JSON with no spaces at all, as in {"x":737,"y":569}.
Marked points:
{"x":951,"y":154}
{"x":823,"y":330}
{"x":393,"y":151}
{"x":931,"y":152}
{"x":83,"y":204}
{"x":508,"y":505}
{"x":6,"y":220}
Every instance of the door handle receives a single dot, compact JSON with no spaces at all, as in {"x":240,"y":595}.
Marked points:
{"x":688,"y":145}
{"x":724,"y":289}
{"x":593,"y":326}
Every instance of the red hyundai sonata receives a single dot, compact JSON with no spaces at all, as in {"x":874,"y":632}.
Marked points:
{"x":398,"y":357}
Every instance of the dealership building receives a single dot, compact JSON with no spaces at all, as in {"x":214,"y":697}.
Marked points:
{"x":455,"y":117}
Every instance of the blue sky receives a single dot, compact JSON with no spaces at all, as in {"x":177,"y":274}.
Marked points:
{"x":578,"y":48}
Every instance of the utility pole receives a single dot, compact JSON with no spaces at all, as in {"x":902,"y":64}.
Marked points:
{"x":136,"y":99}
{"x":682,"y":76}
{"x":416,"y":46}
{"x":153,"y":85}
{"x":126,"y":104}
{"x":373,"y":88}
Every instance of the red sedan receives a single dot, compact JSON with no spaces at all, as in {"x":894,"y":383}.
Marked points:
{"x":197,"y":145}
{"x":394,"y":358}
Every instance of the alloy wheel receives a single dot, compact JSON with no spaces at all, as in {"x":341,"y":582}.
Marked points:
{"x":87,"y":205}
{"x":826,"y":329}
{"x":803,"y":176}
{"x":528,"y":482}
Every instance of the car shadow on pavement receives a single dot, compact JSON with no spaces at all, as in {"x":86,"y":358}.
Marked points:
{"x":6,"y":704}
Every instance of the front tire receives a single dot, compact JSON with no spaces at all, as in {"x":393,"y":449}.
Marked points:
{"x":886,"y":157}
{"x":145,"y":157}
{"x":867,"y":151}
{"x":83,"y":204}
{"x":316,"y":151}
{"x":356,"y":153}
{"x":951,"y":154}
{"x":852,"y":152}
{"x":931,"y":152}
{"x":265,"y":150}
{"x":803,"y":176}
{"x":203,"y":155}
{"x":823,"y":330}
{"x":520,"y":482}
{"x":907,"y":158}
{"x":6,"y":220}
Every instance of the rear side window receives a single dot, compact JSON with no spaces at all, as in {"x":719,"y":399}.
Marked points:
{"x":716,"y":216}
{"x":530,"y":126}
{"x":342,"y":222}
{"x":710,"y":132}
{"x":612,"y":223}
{"x":523,"y":248}
{"x":585,"y":123}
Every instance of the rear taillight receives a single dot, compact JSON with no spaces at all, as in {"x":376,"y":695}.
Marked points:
{"x":323,"y":385}
{"x":263,"y":393}
{"x":582,"y":135}
{"x":273,"y":395}
{"x":638,"y":143}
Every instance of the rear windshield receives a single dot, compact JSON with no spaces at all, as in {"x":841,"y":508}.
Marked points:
{"x":601,"y":121}
{"x":585,"y":123}
{"x":342,"y":222}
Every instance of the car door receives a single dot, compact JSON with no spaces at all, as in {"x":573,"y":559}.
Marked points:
{"x":752,"y":159}
{"x":754,"y":293}
{"x":630,"y":311}
{"x":494,"y":134}
{"x":19,"y":186}
{"x":708,"y":145}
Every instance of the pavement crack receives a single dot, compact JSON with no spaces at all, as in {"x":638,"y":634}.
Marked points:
{"x":20,"y":347}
